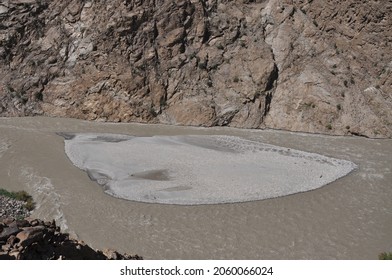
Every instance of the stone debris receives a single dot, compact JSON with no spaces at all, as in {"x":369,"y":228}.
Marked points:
{"x":12,"y":208}
{"x":33,"y":239}
{"x":24,"y":238}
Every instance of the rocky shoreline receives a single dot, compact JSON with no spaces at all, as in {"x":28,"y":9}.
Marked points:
{"x":12,"y":208}
{"x":26,"y":238}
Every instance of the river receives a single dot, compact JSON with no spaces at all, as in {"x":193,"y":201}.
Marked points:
{"x":350,"y":218}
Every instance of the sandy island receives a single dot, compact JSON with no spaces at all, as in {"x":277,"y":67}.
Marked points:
{"x":192,"y":170}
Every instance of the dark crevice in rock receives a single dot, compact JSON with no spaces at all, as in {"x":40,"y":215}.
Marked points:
{"x":207,"y":34}
{"x":267,"y":104}
{"x":225,"y":119}
{"x":272,"y":79}
{"x":358,"y":134}
{"x":270,"y":88}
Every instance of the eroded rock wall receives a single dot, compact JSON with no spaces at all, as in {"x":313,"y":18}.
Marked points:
{"x":313,"y":66}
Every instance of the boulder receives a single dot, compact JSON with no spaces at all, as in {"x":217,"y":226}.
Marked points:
{"x":30,"y":235}
{"x":7,"y":232}
{"x":34,"y":239}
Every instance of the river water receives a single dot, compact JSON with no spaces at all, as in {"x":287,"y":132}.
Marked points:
{"x":350,"y":218}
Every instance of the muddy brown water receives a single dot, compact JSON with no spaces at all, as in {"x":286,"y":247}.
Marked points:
{"x":348,"y":219}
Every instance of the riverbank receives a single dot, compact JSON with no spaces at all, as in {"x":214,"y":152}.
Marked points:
{"x":33,"y":239}
{"x":12,"y":208}
{"x":26,"y":238}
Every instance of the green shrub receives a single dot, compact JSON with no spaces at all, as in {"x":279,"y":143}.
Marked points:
{"x":39,"y":96}
{"x":309,"y":105}
{"x":192,"y":55}
{"x":202,"y":65}
{"x":4,"y":192}
{"x":385,"y":256}
{"x":22,"y":196}
{"x":30,"y":204}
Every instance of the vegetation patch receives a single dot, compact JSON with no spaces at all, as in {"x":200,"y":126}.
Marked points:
{"x":308,"y":105}
{"x":22,"y":196}
{"x":385,"y":256}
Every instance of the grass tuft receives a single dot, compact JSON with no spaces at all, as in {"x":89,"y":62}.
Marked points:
{"x":22,"y":196}
{"x":385,"y":256}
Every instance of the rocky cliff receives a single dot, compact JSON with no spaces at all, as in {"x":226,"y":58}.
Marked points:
{"x":313,"y":66}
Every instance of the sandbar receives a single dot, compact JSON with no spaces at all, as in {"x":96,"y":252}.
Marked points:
{"x":197,"y":169}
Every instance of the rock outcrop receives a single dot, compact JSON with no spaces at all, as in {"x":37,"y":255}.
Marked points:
{"x":312,"y":66}
{"x":32,"y":239}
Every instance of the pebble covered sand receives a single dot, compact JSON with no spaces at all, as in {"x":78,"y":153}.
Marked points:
{"x":12,"y":208}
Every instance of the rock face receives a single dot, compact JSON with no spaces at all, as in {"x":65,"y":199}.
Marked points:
{"x":313,"y":66}
{"x":32,"y":239}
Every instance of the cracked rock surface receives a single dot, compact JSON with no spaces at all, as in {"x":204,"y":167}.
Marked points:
{"x":312,"y":66}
